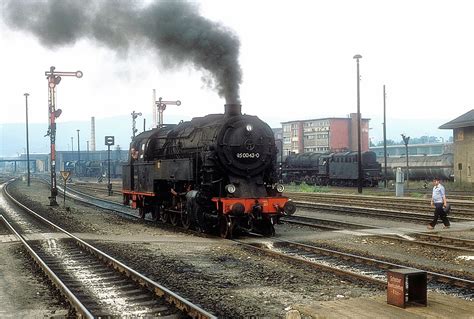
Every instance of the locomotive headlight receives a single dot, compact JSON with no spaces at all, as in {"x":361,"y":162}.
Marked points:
{"x":230,"y":188}
{"x":280,"y":188}
{"x":249,"y":127}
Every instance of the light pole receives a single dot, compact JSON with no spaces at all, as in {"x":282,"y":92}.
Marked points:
{"x":359,"y":152}
{"x":109,"y":141}
{"x":78,"y":148}
{"x":406,"y":139}
{"x":27,"y":141}
{"x":72,"y":147}
{"x":134,"y":122}
{"x":54,"y":77}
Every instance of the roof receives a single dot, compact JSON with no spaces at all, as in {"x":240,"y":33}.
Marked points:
{"x":464,"y":120}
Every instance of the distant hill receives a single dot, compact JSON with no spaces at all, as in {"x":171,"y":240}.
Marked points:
{"x":13,"y":136}
{"x":13,"y":141}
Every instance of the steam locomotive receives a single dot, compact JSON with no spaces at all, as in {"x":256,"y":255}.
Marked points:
{"x":338,"y":169}
{"x":96,"y":169}
{"x":216,"y":172}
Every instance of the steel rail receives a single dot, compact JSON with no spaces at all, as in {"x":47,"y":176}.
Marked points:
{"x":73,"y":300}
{"x":161,"y":291}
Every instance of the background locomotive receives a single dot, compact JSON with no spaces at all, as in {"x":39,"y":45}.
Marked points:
{"x":213,"y":172}
{"x":338,"y":169}
{"x":422,"y":167}
{"x":97,"y":169}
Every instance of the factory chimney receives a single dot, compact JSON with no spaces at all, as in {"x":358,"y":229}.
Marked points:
{"x":93,"y":134}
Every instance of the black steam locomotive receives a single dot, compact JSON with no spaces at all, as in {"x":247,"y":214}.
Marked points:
{"x":216,"y":172}
{"x":338,"y":169}
{"x":97,"y":169}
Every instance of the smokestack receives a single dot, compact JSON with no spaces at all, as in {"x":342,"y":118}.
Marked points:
{"x":233,"y":109}
{"x":93,"y":134}
{"x":154,"y":108}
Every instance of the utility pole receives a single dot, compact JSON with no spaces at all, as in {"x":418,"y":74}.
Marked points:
{"x":54,"y":77}
{"x":406,"y":139}
{"x":359,"y":152}
{"x":27,"y":141}
{"x":385,"y":137}
{"x":78,"y":148}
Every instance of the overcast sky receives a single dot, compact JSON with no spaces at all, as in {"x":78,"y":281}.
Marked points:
{"x":296,"y":58}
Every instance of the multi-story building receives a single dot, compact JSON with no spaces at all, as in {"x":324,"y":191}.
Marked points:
{"x":463,"y":133}
{"x":325,"y":134}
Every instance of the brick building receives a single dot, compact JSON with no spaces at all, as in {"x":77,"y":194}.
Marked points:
{"x":325,"y":134}
{"x":463,"y":134}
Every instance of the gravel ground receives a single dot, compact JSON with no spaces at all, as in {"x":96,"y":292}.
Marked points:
{"x":223,"y":277}
{"x":229,"y":280}
{"x":24,"y":292}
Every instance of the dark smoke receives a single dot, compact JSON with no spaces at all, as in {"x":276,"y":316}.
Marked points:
{"x":174,"y":28}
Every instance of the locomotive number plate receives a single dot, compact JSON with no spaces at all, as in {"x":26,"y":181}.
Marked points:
{"x":248,"y":155}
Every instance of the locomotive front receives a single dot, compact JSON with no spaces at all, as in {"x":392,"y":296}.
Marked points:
{"x":246,"y":155}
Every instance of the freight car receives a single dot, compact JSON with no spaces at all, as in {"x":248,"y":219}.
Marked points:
{"x":421,"y":167}
{"x":338,"y":169}
{"x":216,"y":172}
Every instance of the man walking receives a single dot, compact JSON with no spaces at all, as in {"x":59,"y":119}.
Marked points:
{"x":438,"y":201}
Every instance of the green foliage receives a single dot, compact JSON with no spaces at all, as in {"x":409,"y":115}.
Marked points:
{"x":305,"y":188}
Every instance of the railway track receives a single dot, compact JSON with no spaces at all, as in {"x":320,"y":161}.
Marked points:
{"x":94,"y":283}
{"x":460,"y":210}
{"x":416,"y":238}
{"x":355,"y":267}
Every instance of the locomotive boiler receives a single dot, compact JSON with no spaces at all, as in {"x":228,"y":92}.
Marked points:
{"x":216,"y":172}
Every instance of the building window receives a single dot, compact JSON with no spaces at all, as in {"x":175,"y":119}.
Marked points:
{"x":469,"y":170}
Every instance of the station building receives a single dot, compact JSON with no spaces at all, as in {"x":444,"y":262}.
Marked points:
{"x":463,"y":135}
{"x":324,"y":134}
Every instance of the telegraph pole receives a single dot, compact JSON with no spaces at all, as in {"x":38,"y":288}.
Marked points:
{"x":54,"y":77}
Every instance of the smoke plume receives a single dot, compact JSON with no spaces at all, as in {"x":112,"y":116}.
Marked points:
{"x":175,"y":29}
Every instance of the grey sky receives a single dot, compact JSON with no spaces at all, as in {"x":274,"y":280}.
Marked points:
{"x":296,"y":59}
